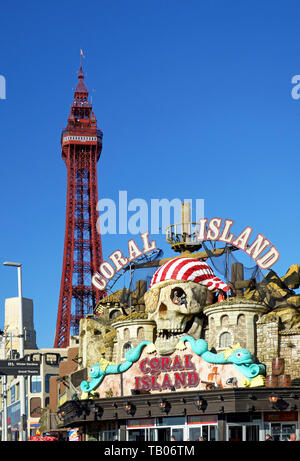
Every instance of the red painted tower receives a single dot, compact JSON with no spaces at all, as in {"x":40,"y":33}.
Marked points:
{"x":81,"y":143}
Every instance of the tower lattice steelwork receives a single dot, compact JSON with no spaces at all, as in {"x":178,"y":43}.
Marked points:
{"x":81,"y":143}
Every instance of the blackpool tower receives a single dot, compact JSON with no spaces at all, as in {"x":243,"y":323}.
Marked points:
{"x":81,"y":143}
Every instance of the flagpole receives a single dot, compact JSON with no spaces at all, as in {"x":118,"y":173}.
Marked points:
{"x":81,"y":56}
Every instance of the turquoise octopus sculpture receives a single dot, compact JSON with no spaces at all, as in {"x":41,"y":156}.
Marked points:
{"x":100,"y":370}
{"x":239,"y":357}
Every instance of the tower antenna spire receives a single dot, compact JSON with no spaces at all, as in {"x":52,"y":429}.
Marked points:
{"x":81,"y":56}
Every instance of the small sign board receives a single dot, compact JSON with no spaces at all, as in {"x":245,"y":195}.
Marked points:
{"x":19,"y":368}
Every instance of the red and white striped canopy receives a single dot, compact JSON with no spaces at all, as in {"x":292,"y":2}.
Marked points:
{"x":191,"y":270}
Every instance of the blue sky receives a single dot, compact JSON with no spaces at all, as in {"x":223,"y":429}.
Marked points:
{"x":194,"y":99}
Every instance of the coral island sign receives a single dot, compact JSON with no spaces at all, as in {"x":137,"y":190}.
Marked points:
{"x":182,"y":369}
{"x":191,"y":366}
{"x":212,"y":231}
{"x":208,"y":230}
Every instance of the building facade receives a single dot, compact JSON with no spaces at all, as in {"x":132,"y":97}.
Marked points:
{"x":37,"y":387}
{"x":189,"y":365}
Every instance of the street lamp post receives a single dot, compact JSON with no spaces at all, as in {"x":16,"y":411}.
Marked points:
{"x":4,"y":400}
{"x":21,"y":335}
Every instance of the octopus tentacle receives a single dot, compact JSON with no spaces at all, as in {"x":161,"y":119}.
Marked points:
{"x":199,"y":346}
{"x":239,"y":357}
{"x":98,"y":374}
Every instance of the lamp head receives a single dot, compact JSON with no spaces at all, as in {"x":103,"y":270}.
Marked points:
{"x":13,"y":264}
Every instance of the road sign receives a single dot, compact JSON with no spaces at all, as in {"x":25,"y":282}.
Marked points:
{"x":19,"y":368}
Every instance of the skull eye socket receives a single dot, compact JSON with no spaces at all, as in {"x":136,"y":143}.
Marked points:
{"x":178,"y":295}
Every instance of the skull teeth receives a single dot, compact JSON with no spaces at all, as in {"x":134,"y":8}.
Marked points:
{"x":166,"y":345}
{"x":170,"y":331}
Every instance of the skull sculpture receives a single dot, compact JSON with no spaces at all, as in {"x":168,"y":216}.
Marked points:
{"x":175,"y":307}
{"x":175,"y":300}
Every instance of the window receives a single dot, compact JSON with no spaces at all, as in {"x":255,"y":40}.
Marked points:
{"x":12,"y":394}
{"x":241,"y":321}
{"x":35,"y":407}
{"x":224,"y":321}
{"x":114,"y":314}
{"x":35,"y":357}
{"x":35,"y":384}
{"x":126,"y":348}
{"x":141,"y":334}
{"x":52,"y":359}
{"x":208,"y":432}
{"x":136,"y":435}
{"x":225,"y":340}
{"x":126,"y":334}
{"x":18,"y":391}
{"x":47,"y":382}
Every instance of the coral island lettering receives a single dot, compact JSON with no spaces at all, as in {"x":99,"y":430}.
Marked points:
{"x":208,"y":230}
{"x":176,"y":373}
{"x":212,"y":231}
{"x":107,"y":271}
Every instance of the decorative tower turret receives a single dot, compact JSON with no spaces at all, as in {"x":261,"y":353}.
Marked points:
{"x":81,"y":143}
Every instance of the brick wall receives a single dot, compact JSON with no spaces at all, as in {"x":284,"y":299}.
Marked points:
{"x":267,"y":343}
{"x":289,"y":348}
{"x":272,"y":343}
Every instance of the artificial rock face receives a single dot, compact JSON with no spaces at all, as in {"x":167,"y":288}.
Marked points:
{"x":176,"y":307}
